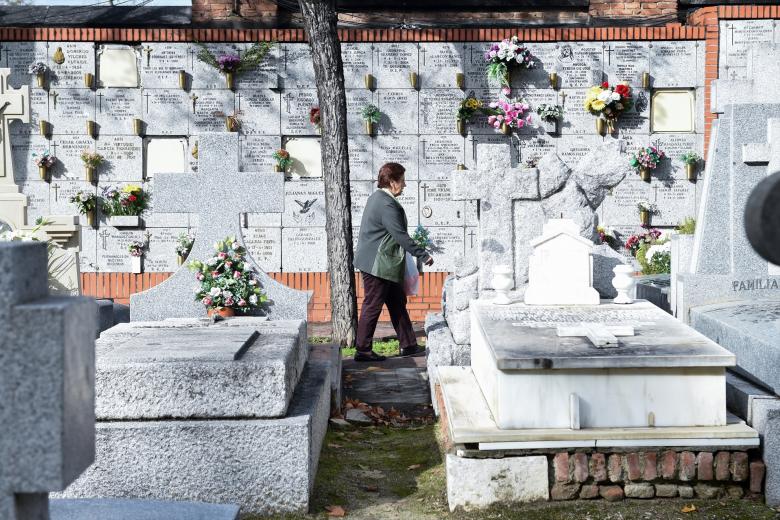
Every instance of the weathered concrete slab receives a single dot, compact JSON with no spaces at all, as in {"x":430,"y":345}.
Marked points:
{"x":117,"y":509}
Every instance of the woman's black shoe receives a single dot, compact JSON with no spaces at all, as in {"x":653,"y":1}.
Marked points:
{"x":414,"y":351}
{"x":368,"y":356}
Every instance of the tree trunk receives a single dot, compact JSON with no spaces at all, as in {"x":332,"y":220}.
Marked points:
{"x":320,"y":20}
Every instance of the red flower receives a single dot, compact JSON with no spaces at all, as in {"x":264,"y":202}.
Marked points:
{"x":623,"y":90}
{"x":605,"y":85}
{"x":132,"y":198}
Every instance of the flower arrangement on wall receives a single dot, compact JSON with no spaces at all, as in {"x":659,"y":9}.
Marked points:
{"x":283,"y":160}
{"x":131,"y":200}
{"x":232,"y":64}
{"x":505,"y":115}
{"x":607,"y":236}
{"x":645,"y":160}
{"x":608,"y":102}
{"x":315,"y":118}
{"x":44,"y":162}
{"x":635,"y":241}
{"x":505,"y":54}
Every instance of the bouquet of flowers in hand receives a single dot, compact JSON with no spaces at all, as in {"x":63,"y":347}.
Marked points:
{"x":635,"y":241}
{"x":608,"y":102}
{"x":422,"y":237}
{"x":131,"y":200}
{"x":607,"y":236}
{"x":45,"y":160}
{"x":468,"y":107}
{"x":85,"y":202}
{"x":509,"y":113}
{"x":505,"y":53}
{"x":315,"y":118}
{"x":647,"y":157}
{"x":226,"y":280}
{"x":136,"y":248}
{"x":184,"y":245}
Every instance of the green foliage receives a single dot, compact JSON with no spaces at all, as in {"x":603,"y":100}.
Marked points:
{"x":422,"y":237}
{"x":550,"y":113}
{"x":498,"y":72}
{"x":251,"y":59}
{"x":690,"y":158}
{"x":371,"y":113}
{"x":688,"y":226}
{"x":659,"y":263}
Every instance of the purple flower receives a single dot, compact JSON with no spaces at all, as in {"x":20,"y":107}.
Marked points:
{"x":228,"y":62}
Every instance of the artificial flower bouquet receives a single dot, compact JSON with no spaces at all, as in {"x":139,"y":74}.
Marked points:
{"x":500,"y":56}
{"x":607,"y":236}
{"x":184,"y":244}
{"x":608,"y":102}
{"x":504,"y":115}
{"x":647,"y":157}
{"x":468,"y":108}
{"x":130,"y":200}
{"x":635,"y":241}
{"x":315,"y":118}
{"x":283,"y":159}
{"x":421,"y":237}
{"x":136,"y":248}
{"x":44,"y":160}
{"x":84,"y":201}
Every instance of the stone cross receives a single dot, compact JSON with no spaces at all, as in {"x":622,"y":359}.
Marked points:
{"x":47,"y":370}
{"x":14,"y":104}
{"x":219,"y":194}
{"x":600,"y":335}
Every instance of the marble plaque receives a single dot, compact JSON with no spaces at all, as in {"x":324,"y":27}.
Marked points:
{"x":37,"y":193}
{"x":116,"y":109}
{"x":439,"y":63}
{"x":69,"y":110}
{"x":671,"y":64}
{"x":438,"y":110}
{"x":409,"y":200}
{"x":576,"y":120}
{"x":87,"y":250}
{"x":401,"y":149}
{"x":206,"y":104}
{"x":68,"y":149}
{"x":535,"y":97}
{"x":447,"y":246}
{"x":392,"y":64}
{"x":61,"y":191}
{"x":533,"y":148}
{"x":165,"y":155}
{"x":295,"y":112}
{"x":572,"y":148}
{"x":471,"y":242}
{"x":22,"y":150}
{"x":304,"y":250}
{"x":479,"y":123}
{"x":673,"y":111}
{"x":160,"y":256}
{"x":474,"y":66}
{"x":161,"y":63}
{"x":124,"y":158}
{"x":39,"y":111}
{"x":259,"y":110}
{"x":304,"y":204}
{"x":626,"y":61}
{"x":298,"y":70}
{"x":361,"y":150}
{"x":18,"y":56}
{"x":473,"y":161}
{"x":359,"y":192}
{"x":205,"y":76}
{"x":579,"y":64}
{"x":736,"y":39}
{"x":166,"y":111}
{"x":117,"y":66}
{"x":271,"y":220}
{"x":675,"y":145}
{"x":356,"y":100}
{"x":538,"y":77}
{"x":439,"y":156}
{"x":112,"y":243}
{"x":437,"y":207}
{"x":306,"y":156}
{"x":256,"y":152}
{"x":472,"y":213}
{"x":265,"y":75}
{"x":79,"y":59}
{"x":636,"y":120}
{"x":675,"y":201}
{"x":265,"y":247}
{"x":357,"y":61}
{"x":400,"y":111}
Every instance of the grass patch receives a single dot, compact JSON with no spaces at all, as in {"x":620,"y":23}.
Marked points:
{"x":385,"y":348}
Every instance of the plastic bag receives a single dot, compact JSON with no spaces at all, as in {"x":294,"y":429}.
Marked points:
{"x":411,"y":276}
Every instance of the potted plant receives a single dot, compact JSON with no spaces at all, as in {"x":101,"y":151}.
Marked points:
{"x":227,"y":282}
{"x":86,"y":204}
{"x":690,"y":159}
{"x":646,"y":209}
{"x":646,"y":160}
{"x":550,"y":115}
{"x":500,"y":56}
{"x":184,"y":246}
{"x":136,"y":250}
{"x":39,"y":69}
{"x":44,"y":161}
{"x":231,"y":64}
{"x":232,"y":120}
{"x":283,"y":160}
{"x":421,"y":237}
{"x":91,"y":161}
{"x":371,"y":116}
{"x":123,"y":207}
{"x":468,"y":107}
{"x":315,"y":118}
{"x":607,"y":236}
{"x":505,"y":115}
{"x":608,"y":103}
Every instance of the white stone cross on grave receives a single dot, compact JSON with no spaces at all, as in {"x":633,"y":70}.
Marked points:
{"x":600,"y":335}
{"x":14,"y":104}
{"x":219,"y":194}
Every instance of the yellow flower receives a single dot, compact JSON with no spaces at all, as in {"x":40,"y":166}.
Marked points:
{"x":587,"y":103}
{"x":473,"y":103}
{"x":594,"y":91}
{"x":598,"y":105}
{"x":131,"y":188}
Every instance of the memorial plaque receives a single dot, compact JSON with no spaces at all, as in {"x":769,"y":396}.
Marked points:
{"x":675,"y":145}
{"x":447,"y":246}
{"x":475,"y":66}
{"x":117,"y":66}
{"x":401,"y":149}
{"x":472,"y":213}
{"x":161,"y":63}
{"x":112,"y":244}
{"x":673,"y":111}
{"x":60,"y":194}
{"x":409,"y":200}
{"x":79,"y":59}
{"x":439,"y":156}
{"x":356,"y":100}
{"x":400,"y":111}
{"x":205,"y":76}
{"x":671,"y":64}
{"x":359,"y":192}
{"x":298,"y":70}
{"x":124,"y":158}
{"x":545,"y":62}
{"x":304,"y":204}
{"x":68,"y":149}
{"x":470,"y":151}
{"x":471,"y":242}
{"x":392,"y":64}
{"x":535,"y":97}
{"x":304,"y":250}
{"x":579,"y":64}
{"x":22,"y":150}
{"x":306,"y":156}
{"x":259,"y":111}
{"x":38,"y":194}
{"x":265,"y":75}
{"x":116,"y":109}
{"x":165,"y":155}
{"x":296,"y":106}
{"x":356,"y":58}
{"x":572,"y":148}
{"x":438,"y":110}
{"x":361,"y":150}
{"x":576,"y":120}
{"x":87,"y":250}
{"x":636,"y":120}
{"x":736,"y":39}
{"x":479,"y":123}
{"x":675,"y":200}
{"x":437,"y":207}
{"x":160,"y":256}
{"x":439,"y":63}
{"x":39,"y":111}
{"x":256,"y":152}
{"x":533,"y":148}
{"x":69,"y":110}
{"x":204,"y":105}
{"x":18,"y":56}
{"x":264,"y":245}
{"x":626,"y":61}
{"x":166,"y":111}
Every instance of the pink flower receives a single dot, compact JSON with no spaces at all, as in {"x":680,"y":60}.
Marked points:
{"x":228,"y":264}
{"x":236,"y":274}
{"x":242,"y":303}
{"x":506,"y":91}
{"x":199,"y":276}
{"x":206,"y":301}
{"x":222,"y":255}
{"x":215,"y":274}
{"x":229,"y":302}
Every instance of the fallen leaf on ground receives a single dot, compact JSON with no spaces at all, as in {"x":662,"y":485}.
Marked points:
{"x":414,"y":466}
{"x":335,"y":511}
{"x":688,"y":509}
{"x":371,"y":488}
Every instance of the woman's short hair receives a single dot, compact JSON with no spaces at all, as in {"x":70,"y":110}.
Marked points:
{"x":390,"y":172}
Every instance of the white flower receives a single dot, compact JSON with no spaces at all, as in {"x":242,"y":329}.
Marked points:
{"x":605,"y":96}
{"x":235,"y":246}
{"x":196,"y":290}
{"x":253,"y":299}
{"x":215,"y":291}
{"x":665,"y":248}
{"x":252,"y":282}
{"x":227,"y":294}
{"x":614,"y":97}
{"x":212,"y":261}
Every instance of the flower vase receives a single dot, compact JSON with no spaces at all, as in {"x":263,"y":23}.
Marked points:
{"x":369,"y":128}
{"x":611,"y":126}
{"x":601,"y":126}
{"x":89,"y":174}
{"x":91,"y":128}
{"x":461,"y":126}
{"x":89,"y":80}
{"x":43,"y":127}
{"x":183,"y":80}
{"x":225,"y":312}
{"x":460,"y":80}
{"x":136,"y":264}
{"x":644,"y":217}
{"x":624,"y":283}
{"x":90,"y":217}
{"x":690,"y":171}
{"x":502,"y":282}
{"x":230,"y":80}
{"x":231,"y":124}
{"x":43,"y":171}
{"x":413,"y":79}
{"x":278,"y":168}
{"x":506,"y":129}
{"x":40,"y":79}
{"x":180,"y":259}
{"x":551,"y":127}
{"x":644,"y":173}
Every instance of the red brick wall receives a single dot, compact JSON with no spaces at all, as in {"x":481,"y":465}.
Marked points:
{"x":632,"y":8}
